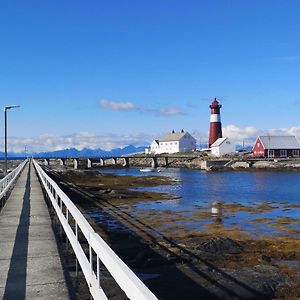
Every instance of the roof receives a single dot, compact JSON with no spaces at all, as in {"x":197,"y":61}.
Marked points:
{"x":155,"y":141}
{"x":279,"y":142}
{"x":215,"y":104}
{"x":176,"y":136}
{"x":219,"y":142}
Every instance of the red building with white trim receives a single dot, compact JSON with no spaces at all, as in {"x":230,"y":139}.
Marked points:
{"x":276,"y":147}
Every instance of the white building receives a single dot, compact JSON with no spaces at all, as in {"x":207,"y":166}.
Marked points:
{"x":154,"y":146}
{"x":222,"y":146}
{"x":172,"y":143}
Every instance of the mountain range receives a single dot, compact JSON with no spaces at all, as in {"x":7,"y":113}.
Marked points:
{"x":86,"y":152}
{"x":73,"y":152}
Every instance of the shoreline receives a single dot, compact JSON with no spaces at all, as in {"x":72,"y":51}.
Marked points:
{"x":227,"y":257}
{"x":230,"y":163}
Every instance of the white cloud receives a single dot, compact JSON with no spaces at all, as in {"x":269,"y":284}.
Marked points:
{"x":286,"y":131}
{"x":48,"y":142}
{"x":129,"y":106}
{"x":235,"y":133}
{"x":238,"y":134}
{"x":107,"y":141}
{"x":117,"y":106}
{"x":170,"y":111}
{"x":249,"y":134}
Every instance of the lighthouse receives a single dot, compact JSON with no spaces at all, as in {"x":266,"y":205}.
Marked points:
{"x":215,"y":130}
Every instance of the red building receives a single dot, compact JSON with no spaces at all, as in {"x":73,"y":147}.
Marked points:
{"x":276,"y":146}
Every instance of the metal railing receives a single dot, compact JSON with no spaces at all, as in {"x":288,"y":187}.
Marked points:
{"x":7,"y":182}
{"x":133,"y":287}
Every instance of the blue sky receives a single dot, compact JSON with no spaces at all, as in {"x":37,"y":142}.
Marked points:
{"x":108,"y":73}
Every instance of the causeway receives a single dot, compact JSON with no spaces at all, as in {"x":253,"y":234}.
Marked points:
{"x":30,"y":264}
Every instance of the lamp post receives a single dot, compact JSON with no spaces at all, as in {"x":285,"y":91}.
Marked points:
{"x":6,"y":108}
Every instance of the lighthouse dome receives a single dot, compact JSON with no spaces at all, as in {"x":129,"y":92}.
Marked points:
{"x":215,"y":104}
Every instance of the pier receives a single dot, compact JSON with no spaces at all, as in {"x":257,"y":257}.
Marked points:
{"x":30,"y":263}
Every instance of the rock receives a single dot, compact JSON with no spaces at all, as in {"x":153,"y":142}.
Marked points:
{"x":266,"y":258}
{"x":219,"y":245}
{"x":258,"y":282}
{"x":240,"y":165}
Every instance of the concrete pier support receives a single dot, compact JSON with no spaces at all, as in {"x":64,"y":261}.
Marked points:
{"x":61,"y":161}
{"x":89,"y":163}
{"x":126,"y":162}
{"x":76,"y":162}
{"x":154,"y":162}
{"x":166,"y":161}
{"x":102,"y":162}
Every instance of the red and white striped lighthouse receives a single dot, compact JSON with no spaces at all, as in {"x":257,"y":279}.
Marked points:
{"x":215,"y":130}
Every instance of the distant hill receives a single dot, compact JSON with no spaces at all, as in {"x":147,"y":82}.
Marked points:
{"x":245,"y":148}
{"x":73,"y":152}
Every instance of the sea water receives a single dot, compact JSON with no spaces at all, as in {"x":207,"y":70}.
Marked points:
{"x":196,"y":190}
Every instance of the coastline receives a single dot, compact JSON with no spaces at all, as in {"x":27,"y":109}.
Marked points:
{"x":211,"y":164}
{"x":231,"y":257}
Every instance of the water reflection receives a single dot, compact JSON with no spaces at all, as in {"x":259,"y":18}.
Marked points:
{"x":217,"y":211}
{"x":214,"y":191}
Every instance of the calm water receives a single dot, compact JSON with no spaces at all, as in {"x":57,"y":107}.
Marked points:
{"x":196,"y":188}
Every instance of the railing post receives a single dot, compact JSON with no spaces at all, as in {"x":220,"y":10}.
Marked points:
{"x":98,"y":271}
{"x":76,"y":234}
{"x":91,"y":260}
{"x":67,"y":217}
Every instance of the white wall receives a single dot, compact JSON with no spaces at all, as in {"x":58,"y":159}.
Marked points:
{"x":168,"y":147}
{"x":154,"y":147}
{"x":187,"y":143}
{"x":226,"y":147}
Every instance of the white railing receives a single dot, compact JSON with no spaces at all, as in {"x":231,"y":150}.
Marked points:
{"x":133,"y":287}
{"x":7,"y":182}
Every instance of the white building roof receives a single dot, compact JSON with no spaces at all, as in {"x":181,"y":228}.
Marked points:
{"x":176,"y":136}
{"x":279,"y":142}
{"x":219,"y":142}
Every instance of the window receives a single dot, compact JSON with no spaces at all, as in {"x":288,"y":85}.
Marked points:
{"x":283,"y":153}
{"x":271,"y":153}
{"x":295,"y":153}
{"x":258,"y":144}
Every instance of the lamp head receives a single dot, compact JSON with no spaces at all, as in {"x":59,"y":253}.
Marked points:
{"x":10,"y":106}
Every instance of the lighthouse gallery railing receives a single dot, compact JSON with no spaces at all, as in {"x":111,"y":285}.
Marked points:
{"x":133,"y":287}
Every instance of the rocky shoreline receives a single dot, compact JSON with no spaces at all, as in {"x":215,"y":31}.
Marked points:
{"x":211,"y":265}
{"x":191,"y":161}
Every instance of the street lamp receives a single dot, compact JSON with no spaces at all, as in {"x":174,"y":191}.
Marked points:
{"x":6,"y":108}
